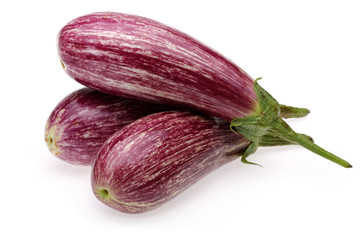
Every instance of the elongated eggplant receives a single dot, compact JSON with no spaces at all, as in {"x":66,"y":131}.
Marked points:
{"x":137,"y":57}
{"x":153,"y":159}
{"x":82,"y":121}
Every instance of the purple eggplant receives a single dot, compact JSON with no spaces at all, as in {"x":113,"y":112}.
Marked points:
{"x":82,"y":121}
{"x":137,"y":57}
{"x":155,"y":158}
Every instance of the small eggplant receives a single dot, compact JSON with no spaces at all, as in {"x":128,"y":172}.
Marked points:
{"x":83,"y":120}
{"x":155,"y":158}
{"x":137,"y":57}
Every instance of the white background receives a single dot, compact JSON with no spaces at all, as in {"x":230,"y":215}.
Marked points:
{"x":308,"y":55}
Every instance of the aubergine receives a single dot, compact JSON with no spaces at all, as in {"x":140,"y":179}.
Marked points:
{"x":83,"y":120}
{"x":137,"y":57}
{"x":155,"y":158}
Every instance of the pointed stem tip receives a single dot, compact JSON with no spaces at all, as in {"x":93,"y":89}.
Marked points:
{"x":304,"y":142}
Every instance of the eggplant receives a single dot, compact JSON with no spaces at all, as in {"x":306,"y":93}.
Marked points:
{"x":155,"y":158}
{"x":136,"y":57}
{"x":83,"y":120}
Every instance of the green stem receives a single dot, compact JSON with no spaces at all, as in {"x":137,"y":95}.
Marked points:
{"x":271,"y":140}
{"x":302,"y":141}
{"x":293,"y":112}
{"x":269,"y":129}
{"x":284,"y":130}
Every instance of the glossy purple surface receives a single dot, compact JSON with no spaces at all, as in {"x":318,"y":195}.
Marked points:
{"x":137,"y":57}
{"x":83,"y":120}
{"x":155,"y":158}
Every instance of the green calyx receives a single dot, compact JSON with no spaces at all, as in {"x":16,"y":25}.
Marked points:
{"x":269,"y":129}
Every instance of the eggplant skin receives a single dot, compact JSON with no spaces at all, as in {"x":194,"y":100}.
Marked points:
{"x":155,"y":158}
{"x":137,"y":57}
{"x":83,"y":120}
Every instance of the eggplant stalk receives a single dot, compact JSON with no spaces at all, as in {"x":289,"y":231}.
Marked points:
{"x":267,"y":126}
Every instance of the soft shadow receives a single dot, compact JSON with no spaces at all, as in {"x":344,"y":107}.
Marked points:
{"x":56,"y":166}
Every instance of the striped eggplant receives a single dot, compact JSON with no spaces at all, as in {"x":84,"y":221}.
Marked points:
{"x":83,"y":120}
{"x":137,"y":57}
{"x":153,"y":159}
